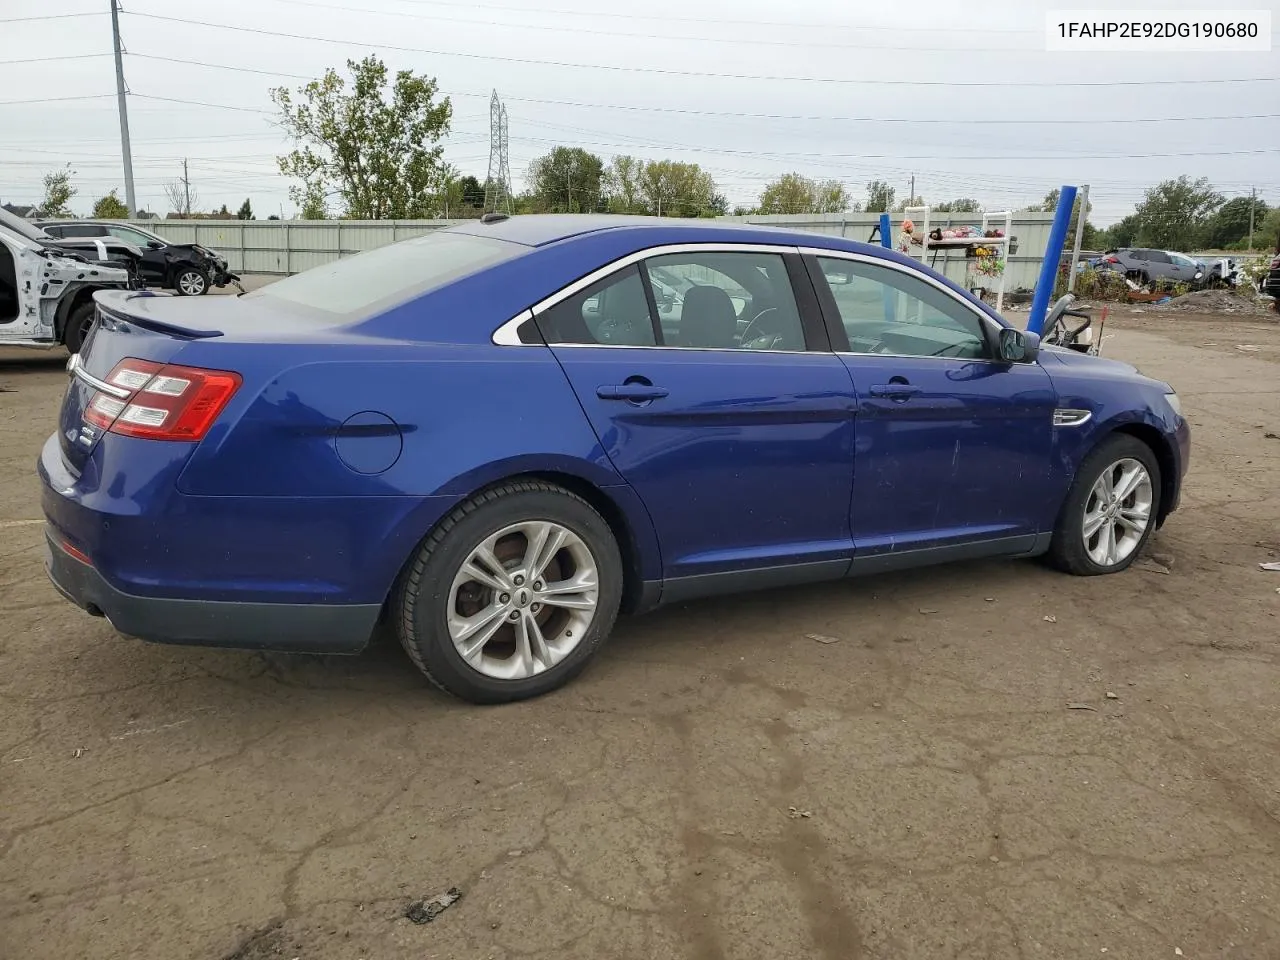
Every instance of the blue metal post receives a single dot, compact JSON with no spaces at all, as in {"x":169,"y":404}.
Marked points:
{"x":1052,"y":259}
{"x":886,"y":240}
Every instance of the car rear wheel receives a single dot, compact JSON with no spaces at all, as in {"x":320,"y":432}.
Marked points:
{"x":78,"y":325}
{"x":511,"y":594}
{"x":190,"y":282}
{"x":1110,"y":511}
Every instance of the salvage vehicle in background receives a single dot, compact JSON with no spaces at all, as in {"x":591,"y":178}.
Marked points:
{"x":492,"y":439}
{"x":188,"y":269}
{"x":106,"y":251}
{"x":1269,"y":285}
{"x":46,"y":293}
{"x":1145,"y":266}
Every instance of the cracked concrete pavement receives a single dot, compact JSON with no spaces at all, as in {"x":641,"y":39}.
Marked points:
{"x":165,"y":802}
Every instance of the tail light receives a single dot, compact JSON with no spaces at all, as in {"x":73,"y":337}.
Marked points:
{"x":1110,"y":259}
{"x":164,"y":401}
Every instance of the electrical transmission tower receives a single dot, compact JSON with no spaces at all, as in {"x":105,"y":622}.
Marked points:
{"x":497,"y":186}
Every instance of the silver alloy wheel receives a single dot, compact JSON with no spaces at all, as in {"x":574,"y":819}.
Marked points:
{"x":523,"y":600}
{"x":191,"y":283}
{"x":1117,"y":512}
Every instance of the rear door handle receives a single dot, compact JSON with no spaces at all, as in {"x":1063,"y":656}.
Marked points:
{"x":635,"y":392}
{"x":895,"y":391}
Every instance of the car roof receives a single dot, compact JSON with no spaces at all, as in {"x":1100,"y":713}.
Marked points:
{"x":538,"y":230}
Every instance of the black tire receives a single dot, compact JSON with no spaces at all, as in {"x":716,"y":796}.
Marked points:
{"x":193,"y":277}
{"x":420,"y":601}
{"x":1068,"y":551}
{"x":78,"y":325}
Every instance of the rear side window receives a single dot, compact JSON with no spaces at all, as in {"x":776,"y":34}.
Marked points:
{"x":1157,"y":256}
{"x":383,"y":278}
{"x":69,"y":230}
{"x":612,"y":312}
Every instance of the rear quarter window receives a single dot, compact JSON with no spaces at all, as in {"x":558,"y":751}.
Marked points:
{"x":377,"y":280}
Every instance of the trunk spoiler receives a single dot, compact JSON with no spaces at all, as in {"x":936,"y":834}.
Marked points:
{"x":118,"y":306}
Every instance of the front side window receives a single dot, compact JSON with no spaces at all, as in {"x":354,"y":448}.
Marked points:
{"x":725,"y":300}
{"x":892,"y":312}
{"x":610,"y":312}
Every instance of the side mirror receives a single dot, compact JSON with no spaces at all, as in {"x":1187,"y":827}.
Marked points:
{"x":154,"y":245}
{"x":1019,"y":346}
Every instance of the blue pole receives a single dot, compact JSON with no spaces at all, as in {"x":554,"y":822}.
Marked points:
{"x":1052,"y":258}
{"x":886,"y":241}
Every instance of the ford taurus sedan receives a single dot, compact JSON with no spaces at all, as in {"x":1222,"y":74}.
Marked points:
{"x":492,"y":439}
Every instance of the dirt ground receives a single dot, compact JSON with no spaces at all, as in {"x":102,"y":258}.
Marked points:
{"x":993,"y":761}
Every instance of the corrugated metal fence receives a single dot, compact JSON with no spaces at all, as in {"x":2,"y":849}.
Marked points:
{"x":288,"y":246}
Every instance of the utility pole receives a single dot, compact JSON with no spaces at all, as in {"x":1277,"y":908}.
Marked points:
{"x":1082,"y":199}
{"x":186,"y":190}
{"x":126,"y":148}
{"x":1253,"y":192}
{"x":911,"y":194}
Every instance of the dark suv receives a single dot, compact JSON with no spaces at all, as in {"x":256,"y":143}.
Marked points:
{"x":186,"y":268}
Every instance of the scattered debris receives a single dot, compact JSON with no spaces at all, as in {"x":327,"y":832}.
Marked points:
{"x":1217,"y":301}
{"x":1151,"y":565}
{"x":1112,"y":696}
{"x":795,"y":814}
{"x":822,"y":638}
{"x":990,"y":599}
{"x":1177,"y":951}
{"x":993,"y":858}
{"x":424,"y":911}
{"x":79,"y":752}
{"x":928,"y":610}
{"x":1082,"y":706}
{"x":1247,"y":347}
{"x":1274,"y":567}
{"x":1050,"y":619}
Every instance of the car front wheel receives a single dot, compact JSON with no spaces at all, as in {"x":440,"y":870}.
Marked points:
{"x":511,"y":595}
{"x":190,"y":282}
{"x":1110,"y":510}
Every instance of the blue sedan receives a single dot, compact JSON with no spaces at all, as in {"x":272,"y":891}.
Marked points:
{"x":495,"y":438}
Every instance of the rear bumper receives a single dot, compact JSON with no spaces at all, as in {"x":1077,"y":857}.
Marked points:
{"x":284,"y":627}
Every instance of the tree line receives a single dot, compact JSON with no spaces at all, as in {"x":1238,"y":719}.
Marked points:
{"x":369,"y":147}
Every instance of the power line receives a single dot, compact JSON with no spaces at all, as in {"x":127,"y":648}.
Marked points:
{"x":560,"y":28}
{"x":719,"y":21}
{"x":68,"y":56}
{"x":88,"y":96}
{"x":692,"y":73}
{"x":52,"y":16}
{"x":749,"y":116}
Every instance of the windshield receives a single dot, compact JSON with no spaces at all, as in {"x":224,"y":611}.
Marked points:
{"x":380,"y":279}
{"x":23,"y":228}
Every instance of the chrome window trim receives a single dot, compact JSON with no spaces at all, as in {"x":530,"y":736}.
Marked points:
{"x":76,"y":368}
{"x":989,"y":326}
{"x":507,"y":336}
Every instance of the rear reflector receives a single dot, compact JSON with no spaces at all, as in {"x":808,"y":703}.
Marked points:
{"x":166,"y":402}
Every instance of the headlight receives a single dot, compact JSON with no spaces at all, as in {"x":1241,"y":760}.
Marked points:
{"x":1174,"y":403}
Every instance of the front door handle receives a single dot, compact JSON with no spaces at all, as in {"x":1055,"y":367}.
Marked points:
{"x":895,"y":391}
{"x":635,"y":392}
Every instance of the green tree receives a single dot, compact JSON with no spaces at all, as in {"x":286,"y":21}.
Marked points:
{"x":376,"y":147}
{"x":879,"y":196}
{"x":567,"y":180}
{"x":962,"y":205}
{"x":1092,"y":237}
{"x":1174,"y":213}
{"x":312,"y":203}
{"x":449,"y":197}
{"x":794,"y":193}
{"x":741,"y":211}
{"x":472,"y":192}
{"x":246,"y":210}
{"x":621,"y":185}
{"x":1266,"y":235}
{"x":1230,"y":222}
{"x":58,"y":192}
{"x":671,"y":188}
{"x":1123,"y":233}
{"x":110,"y":207}
{"x":909,"y":202}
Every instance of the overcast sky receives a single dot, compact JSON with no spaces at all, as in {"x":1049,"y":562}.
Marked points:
{"x":843,"y":60}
